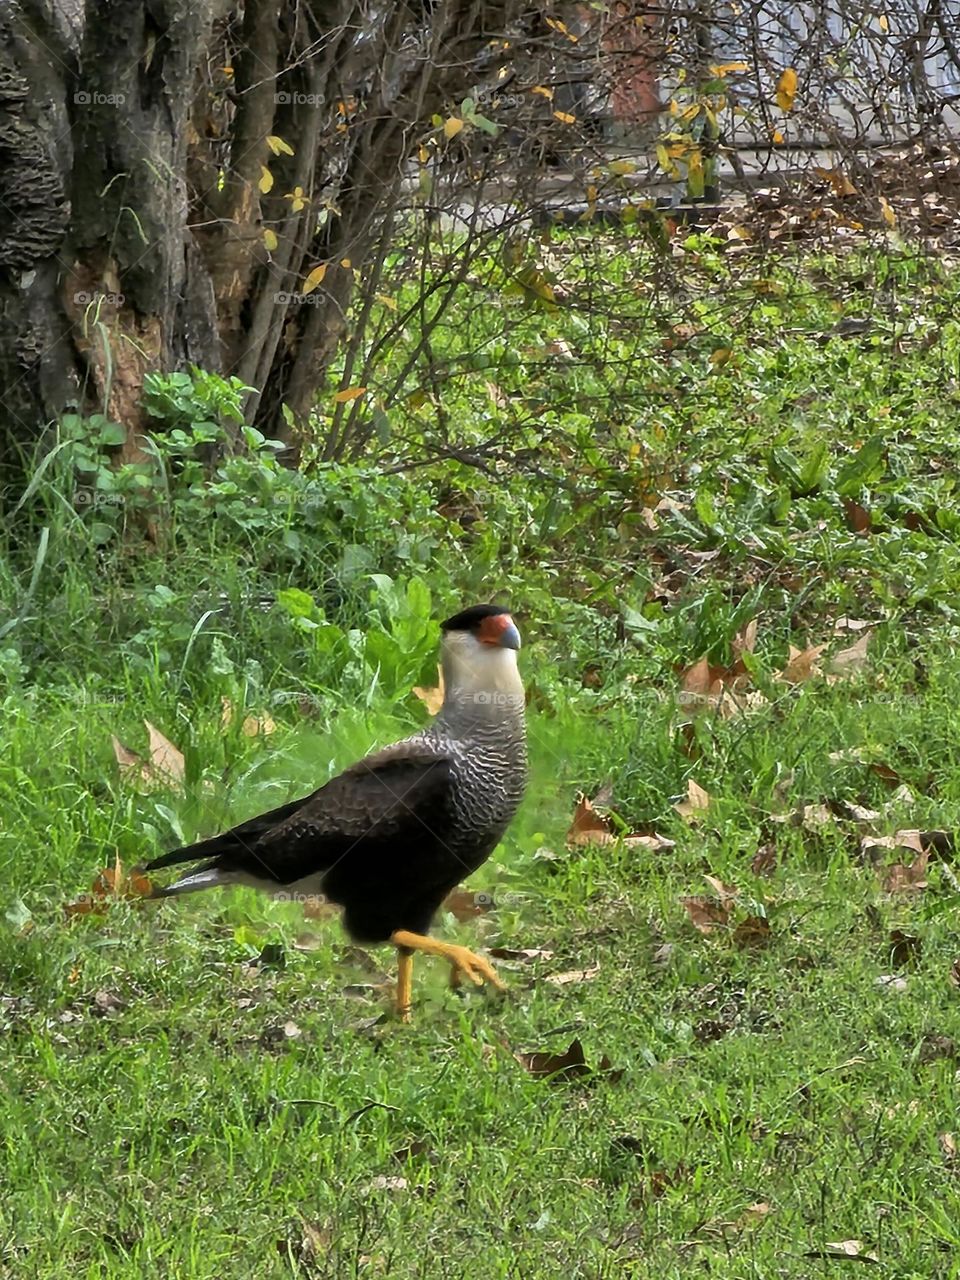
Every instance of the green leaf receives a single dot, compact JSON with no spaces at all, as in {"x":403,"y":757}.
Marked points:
{"x":296,"y":603}
{"x":865,"y":467}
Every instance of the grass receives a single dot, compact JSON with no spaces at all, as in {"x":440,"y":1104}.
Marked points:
{"x":206,"y":1089}
{"x":162,"y":1116}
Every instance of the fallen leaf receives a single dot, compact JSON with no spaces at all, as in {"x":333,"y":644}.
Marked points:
{"x":165,"y":759}
{"x":848,"y":661}
{"x":705,"y":914}
{"x":905,"y":948}
{"x":466,"y":904}
{"x":573,"y":975}
{"x":838,"y":180}
{"x":307,"y":942}
{"x":899,"y":878}
{"x":764,"y":860}
{"x":858,"y":518}
{"x":432,"y":699}
{"x":696,"y":803}
{"x":725,"y":892}
{"x":801,"y":664}
{"x":570,"y":1065}
{"x":589,"y":827}
{"x":111,"y":884}
{"x":316,"y":907}
{"x":754,"y":931}
{"x":871,"y":845}
{"x":520,"y":953}
{"x":843,"y":1249}
{"x":561,"y":1066}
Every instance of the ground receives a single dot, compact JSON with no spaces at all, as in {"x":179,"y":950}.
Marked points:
{"x":214,"y":1088}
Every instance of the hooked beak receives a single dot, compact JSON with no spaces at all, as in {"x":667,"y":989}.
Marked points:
{"x":499,"y":630}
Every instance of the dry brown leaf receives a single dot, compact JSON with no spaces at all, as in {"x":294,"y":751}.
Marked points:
{"x":948,"y":1145}
{"x":705,"y":914}
{"x":753,"y":931}
{"x":725,"y":892}
{"x":316,"y":907}
{"x":849,"y":661}
{"x":566,"y":1066}
{"x":858,"y":518}
{"x":572,"y":976}
{"x":466,"y":904}
{"x":843,"y":1249}
{"x":520,"y":953}
{"x":905,"y":948}
{"x":166,"y":761}
{"x":696,"y":803}
{"x":561,"y":1066}
{"x":801,"y":665}
{"x":899,"y":878}
{"x":589,"y":826}
{"x":111,"y":884}
{"x":871,"y":845}
{"x":307,"y":942}
{"x":764,"y":861}
{"x":432,"y":699}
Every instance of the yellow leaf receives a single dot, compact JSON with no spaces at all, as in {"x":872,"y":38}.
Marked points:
{"x":298,"y":199}
{"x":720,"y":356}
{"x":346,"y":263}
{"x":386,"y":301}
{"x":228,"y":72}
{"x":883,"y":23}
{"x":787,"y":89}
{"x":841,"y":184}
{"x":543,"y":92}
{"x":432,"y":699}
{"x":725,"y":68}
{"x":622,"y":167}
{"x":691,"y":112}
{"x":451,"y":127}
{"x":266,"y":180}
{"x":349,"y":393}
{"x":777,"y":136}
{"x":423,"y":155}
{"x":889,"y":217}
{"x":270,"y":239}
{"x":278,"y":146}
{"x":314,"y":279}
{"x":564,"y":117}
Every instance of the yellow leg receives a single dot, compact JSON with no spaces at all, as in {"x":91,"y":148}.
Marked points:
{"x":404,"y":984}
{"x":461,"y":959}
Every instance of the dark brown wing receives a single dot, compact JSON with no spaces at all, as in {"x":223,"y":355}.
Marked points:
{"x":389,"y":798}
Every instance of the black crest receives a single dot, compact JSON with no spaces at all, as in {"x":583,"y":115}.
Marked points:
{"x":470,"y":619}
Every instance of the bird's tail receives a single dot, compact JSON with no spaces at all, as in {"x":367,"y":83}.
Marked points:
{"x":214,"y":853}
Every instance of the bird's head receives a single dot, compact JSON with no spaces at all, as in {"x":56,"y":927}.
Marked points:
{"x":479,"y":658}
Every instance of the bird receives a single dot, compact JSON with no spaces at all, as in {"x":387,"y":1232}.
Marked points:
{"x":390,"y":836}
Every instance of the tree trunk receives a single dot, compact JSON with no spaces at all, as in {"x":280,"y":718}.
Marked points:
{"x":175,"y":170}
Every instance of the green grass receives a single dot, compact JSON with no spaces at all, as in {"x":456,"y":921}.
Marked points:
{"x":196,"y":1089}
{"x":185,"y":1132}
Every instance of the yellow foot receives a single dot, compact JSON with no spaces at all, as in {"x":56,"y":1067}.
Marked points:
{"x":462,"y":961}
